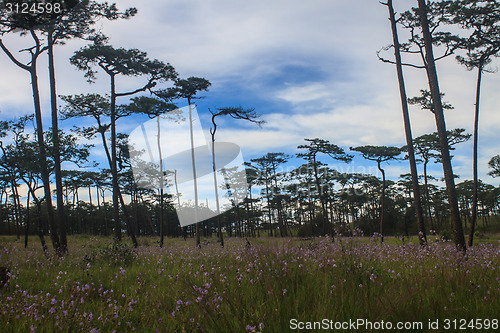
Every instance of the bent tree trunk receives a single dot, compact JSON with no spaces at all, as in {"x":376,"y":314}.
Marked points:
{"x":214,"y":170}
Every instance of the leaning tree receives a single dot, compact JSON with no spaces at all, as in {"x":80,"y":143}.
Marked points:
{"x":406,"y":120}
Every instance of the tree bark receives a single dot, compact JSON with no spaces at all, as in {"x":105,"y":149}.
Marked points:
{"x":214,"y":170}
{"x":279,"y":206}
{"x":269,"y":212}
{"x":54,"y":236}
{"x":61,"y":216}
{"x":109,"y":156}
{"x":193,"y":160}
{"x":474,"y":154}
{"x":406,"y":118}
{"x":31,"y":69}
{"x":17,"y":206}
{"x":31,"y":192}
{"x":321,"y":198}
{"x":28,"y":218}
{"x":162,"y":231}
{"x":382,"y":200}
{"x":427,"y":197}
{"x":432,"y":77}
{"x":114,"y":168}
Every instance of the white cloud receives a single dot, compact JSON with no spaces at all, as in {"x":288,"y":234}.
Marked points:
{"x":314,"y":63}
{"x":305,"y":93}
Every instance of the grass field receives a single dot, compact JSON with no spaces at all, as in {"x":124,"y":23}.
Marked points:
{"x":268,"y":287}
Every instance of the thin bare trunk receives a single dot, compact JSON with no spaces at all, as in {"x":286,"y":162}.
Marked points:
{"x":61,"y":217}
{"x":321,"y":198}
{"x":54,"y":234}
{"x":31,"y":68}
{"x":474,"y":159}
{"x":119,"y":196}
{"x":114,"y":168}
{"x":178,"y":201}
{"x":406,"y":118}
{"x":17,"y":207}
{"x":432,"y":77}
{"x":382,"y":206}
{"x":427,"y":197}
{"x":27,"y":228}
{"x":162,"y":232}
{"x":193,"y":160}
{"x":214,"y":169}
{"x":40,"y":230}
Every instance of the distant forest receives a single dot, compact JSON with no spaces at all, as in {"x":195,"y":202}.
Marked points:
{"x":312,"y":199}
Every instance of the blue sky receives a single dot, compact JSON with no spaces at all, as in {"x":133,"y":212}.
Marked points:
{"x":310,"y":68}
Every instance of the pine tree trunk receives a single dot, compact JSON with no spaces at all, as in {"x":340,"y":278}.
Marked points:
{"x":474,"y":159}
{"x":114,"y":168}
{"x":214,"y":170}
{"x":427,"y":197}
{"x":382,"y":206}
{"x":162,"y":231}
{"x":406,"y":118}
{"x":195,"y":181}
{"x":432,"y":77}
{"x":28,"y":217}
{"x":321,"y":199}
{"x":54,"y":236}
{"x":61,"y":217}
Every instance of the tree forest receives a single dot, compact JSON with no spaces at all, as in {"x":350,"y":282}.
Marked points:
{"x":93,"y":238}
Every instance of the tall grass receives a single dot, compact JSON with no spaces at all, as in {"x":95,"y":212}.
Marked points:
{"x":180,"y":288}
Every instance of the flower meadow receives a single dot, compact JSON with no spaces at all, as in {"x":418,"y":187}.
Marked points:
{"x":103,"y":287}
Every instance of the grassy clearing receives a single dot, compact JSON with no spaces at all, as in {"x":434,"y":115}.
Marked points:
{"x":180,"y":288}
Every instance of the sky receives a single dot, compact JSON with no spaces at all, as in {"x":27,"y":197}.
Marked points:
{"x":308,"y":67}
